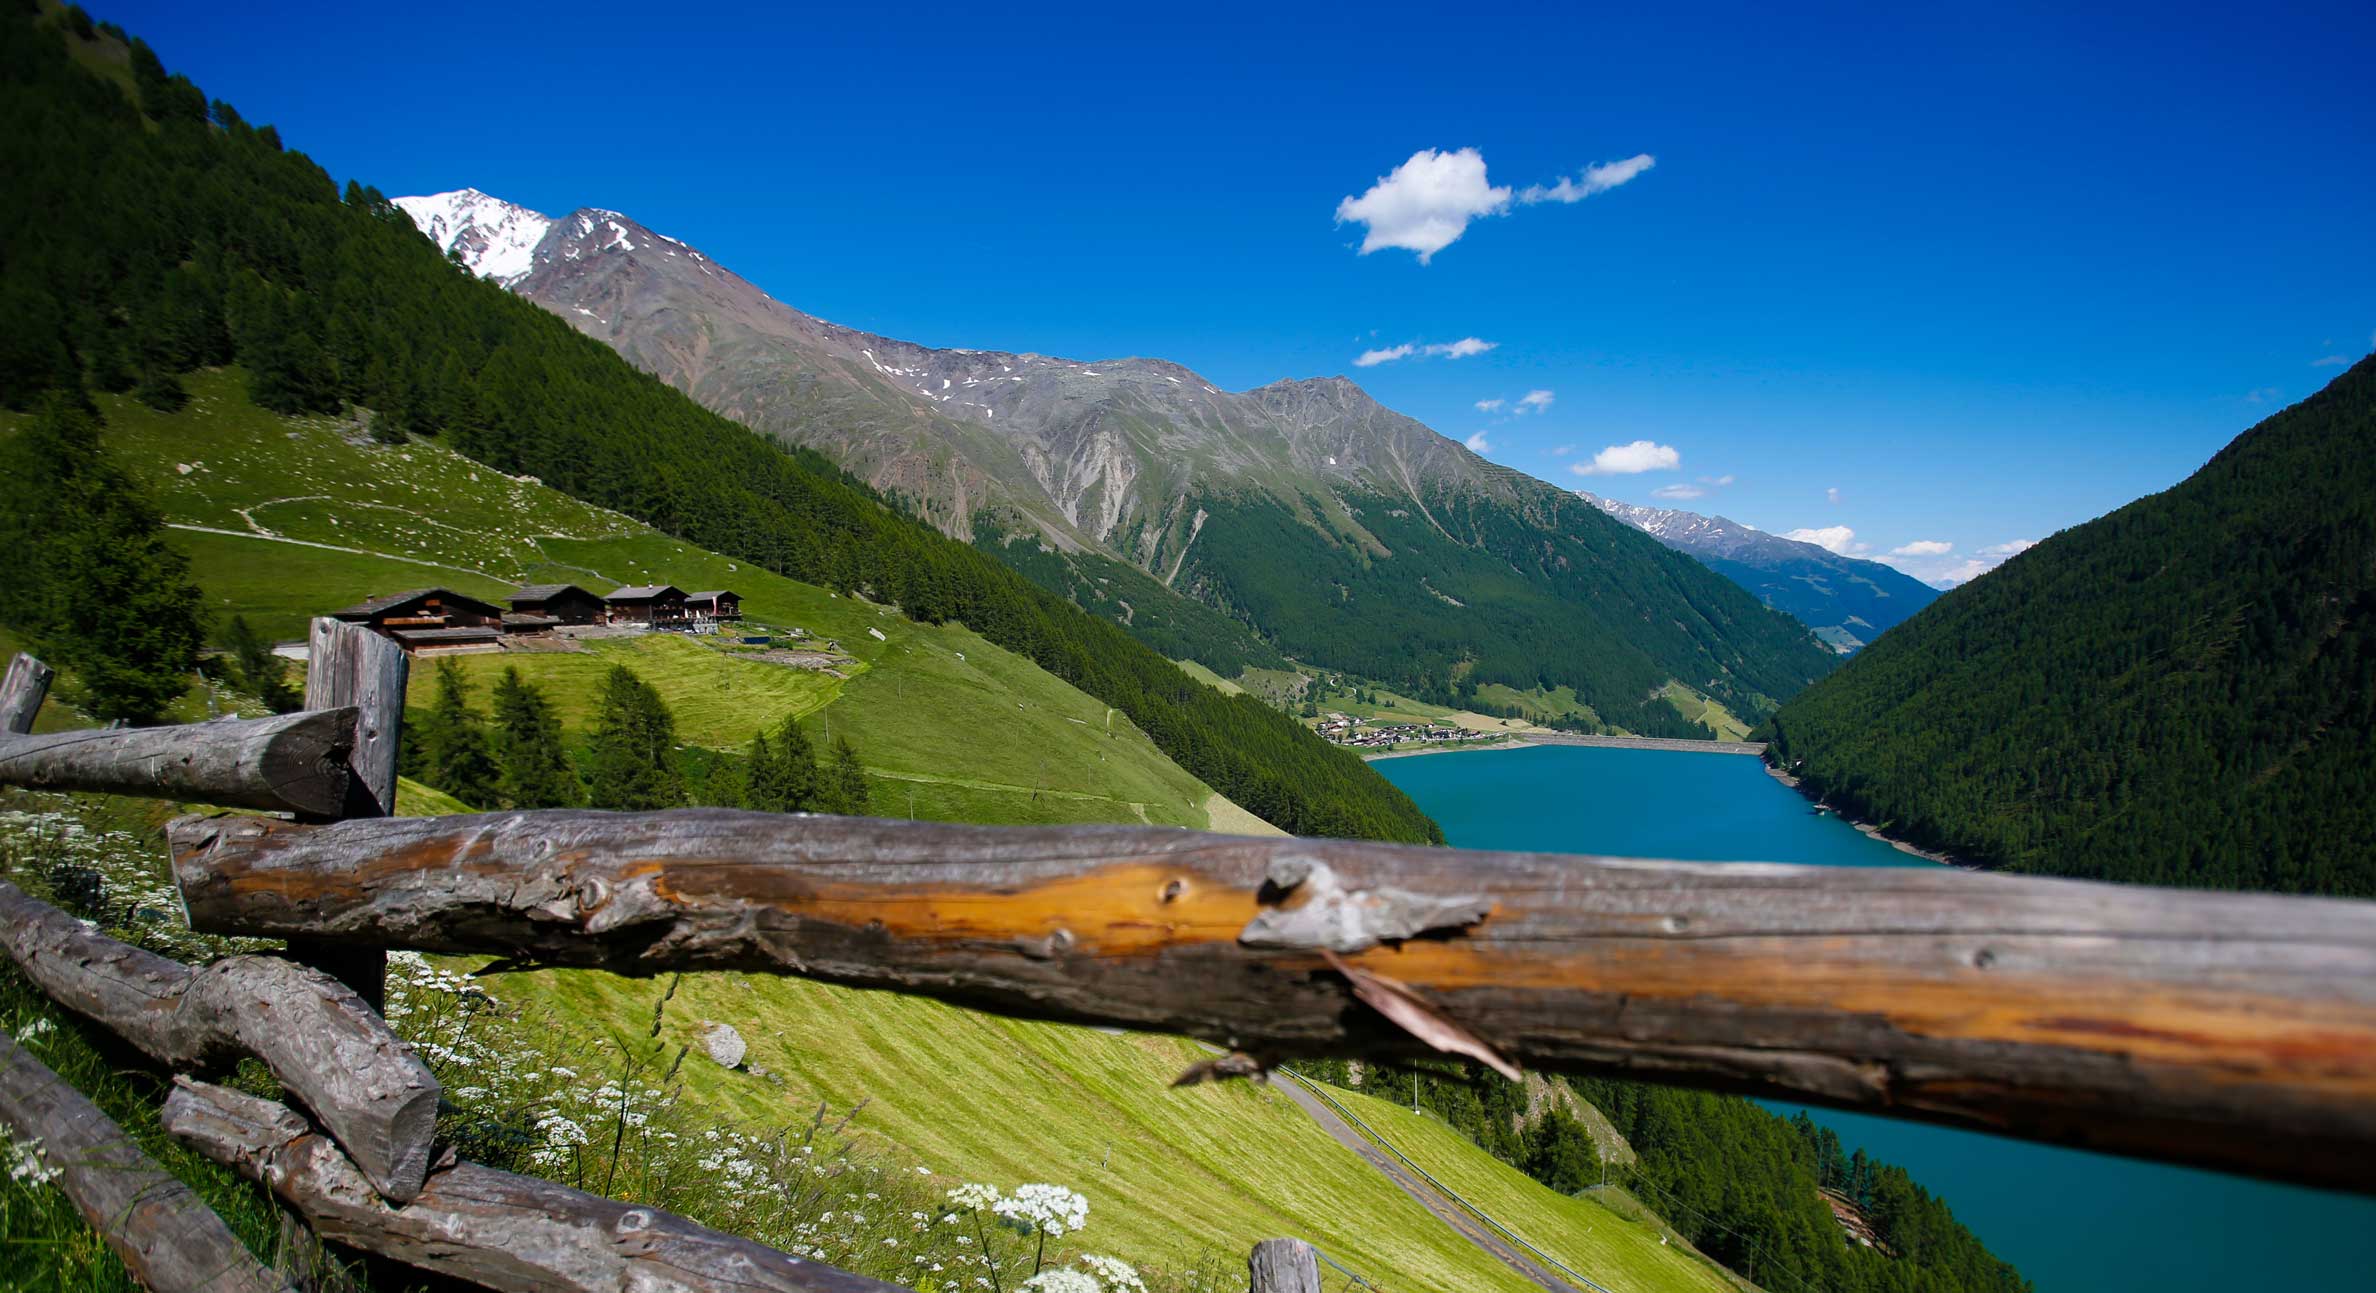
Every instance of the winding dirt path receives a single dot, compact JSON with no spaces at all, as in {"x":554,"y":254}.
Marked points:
{"x":1450,"y":1213}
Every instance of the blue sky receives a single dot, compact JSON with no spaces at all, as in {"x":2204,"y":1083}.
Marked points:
{"x":1956,"y":278}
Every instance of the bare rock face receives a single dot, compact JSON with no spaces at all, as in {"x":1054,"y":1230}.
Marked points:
{"x":725,"y":1045}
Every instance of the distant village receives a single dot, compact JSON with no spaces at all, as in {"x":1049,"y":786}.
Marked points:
{"x":1343,"y":729}
{"x":440,"y":621}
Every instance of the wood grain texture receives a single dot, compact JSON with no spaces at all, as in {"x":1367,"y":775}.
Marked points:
{"x":2228,"y":1030}
{"x":487,"y":1227}
{"x":165,"y":1235}
{"x":1283,"y":1266}
{"x":22,"y":690}
{"x":289,"y":763}
{"x":350,"y":667}
{"x":315,"y":1035}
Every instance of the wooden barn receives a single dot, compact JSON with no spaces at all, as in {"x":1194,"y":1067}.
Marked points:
{"x":560,"y":603}
{"x":655,"y":604}
{"x":721,"y":604}
{"x":430,"y":620}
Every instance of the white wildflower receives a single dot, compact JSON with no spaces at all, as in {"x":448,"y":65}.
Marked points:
{"x":1050,"y":1209}
{"x":1061,"y":1281}
{"x":28,"y":1163}
{"x":973,"y":1197}
{"x":1116,"y":1275}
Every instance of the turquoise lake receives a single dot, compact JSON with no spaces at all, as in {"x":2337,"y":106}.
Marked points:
{"x":2071,"y":1221}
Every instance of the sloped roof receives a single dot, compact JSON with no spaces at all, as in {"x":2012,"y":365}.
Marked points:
{"x":371,"y":606}
{"x":642,"y":592}
{"x":546,"y":592}
{"x":712,"y":595}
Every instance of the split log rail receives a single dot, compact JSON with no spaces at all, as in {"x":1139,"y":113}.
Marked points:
{"x":2222,"y":1030}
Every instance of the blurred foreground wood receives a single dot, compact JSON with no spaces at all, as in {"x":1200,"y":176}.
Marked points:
{"x":2227,"y":1030}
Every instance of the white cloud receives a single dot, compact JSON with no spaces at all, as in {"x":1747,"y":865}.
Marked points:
{"x":2330,"y":361}
{"x":1832,"y":495}
{"x":1487,"y":406}
{"x":2262,"y":395}
{"x":1534,"y":402}
{"x":1940,"y":568}
{"x":1718,"y":481}
{"x":1630,"y":460}
{"x":1563,"y":451}
{"x":1425,"y":204}
{"x":1831,"y":538}
{"x":1595,"y":179}
{"x":1678,"y":493}
{"x":1477,"y":443}
{"x":1460,"y":349}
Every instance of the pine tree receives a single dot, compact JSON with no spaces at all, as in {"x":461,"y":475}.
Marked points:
{"x":160,"y":390}
{"x":632,"y":756}
{"x":89,"y":579}
{"x":535,"y":771}
{"x":843,"y":786}
{"x":457,"y":757}
{"x":782,"y":777}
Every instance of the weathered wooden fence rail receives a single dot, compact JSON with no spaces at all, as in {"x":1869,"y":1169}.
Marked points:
{"x":490,"y":1228}
{"x":291,"y":763}
{"x":313,"y":1033}
{"x":2235,"y":1031}
{"x":163,"y":1232}
{"x":2231,"y":1031}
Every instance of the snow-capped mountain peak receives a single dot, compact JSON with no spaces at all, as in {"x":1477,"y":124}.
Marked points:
{"x":497,"y":239}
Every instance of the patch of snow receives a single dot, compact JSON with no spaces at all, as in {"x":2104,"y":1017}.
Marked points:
{"x":497,"y":239}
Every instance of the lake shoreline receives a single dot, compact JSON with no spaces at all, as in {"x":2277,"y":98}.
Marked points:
{"x":1541,"y":737}
{"x":1868,"y":829}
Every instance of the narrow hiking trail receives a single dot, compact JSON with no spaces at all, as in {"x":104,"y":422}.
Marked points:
{"x":1449,"y":1212}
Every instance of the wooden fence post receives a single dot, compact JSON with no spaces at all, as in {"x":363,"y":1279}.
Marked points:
{"x":21,"y":693}
{"x":348,"y":664}
{"x":1284,"y":1266}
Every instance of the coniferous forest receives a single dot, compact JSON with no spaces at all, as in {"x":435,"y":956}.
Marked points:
{"x":150,"y":233}
{"x":2182,"y":692}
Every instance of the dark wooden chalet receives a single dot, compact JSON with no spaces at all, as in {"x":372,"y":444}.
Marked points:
{"x":722,"y":604}
{"x":646,"y":604}
{"x":430,"y":619}
{"x":561,"y":603}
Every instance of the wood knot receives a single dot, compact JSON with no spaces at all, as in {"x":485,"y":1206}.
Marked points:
{"x":1983,"y":958}
{"x":1676,"y":924}
{"x":1172,"y":889}
{"x":1054,"y":945}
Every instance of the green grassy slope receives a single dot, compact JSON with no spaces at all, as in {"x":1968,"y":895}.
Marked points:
{"x":1575,"y":1230}
{"x":951,"y":727}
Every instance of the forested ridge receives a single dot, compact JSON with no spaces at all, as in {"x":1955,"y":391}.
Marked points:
{"x":146,"y":232}
{"x":2182,"y":692}
{"x":1541,"y":593}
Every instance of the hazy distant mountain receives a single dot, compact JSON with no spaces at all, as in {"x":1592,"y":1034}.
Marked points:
{"x":1301,"y":517}
{"x":1846,"y":601}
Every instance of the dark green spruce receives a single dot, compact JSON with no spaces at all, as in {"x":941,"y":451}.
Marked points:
{"x":88,"y":579}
